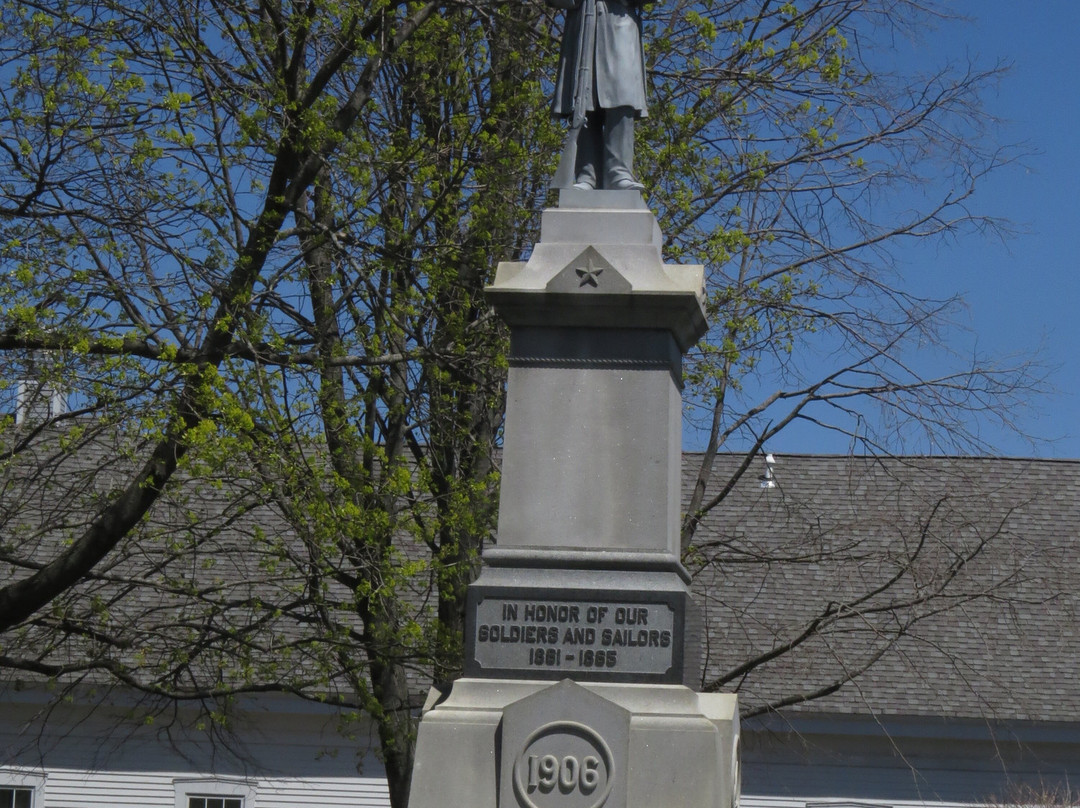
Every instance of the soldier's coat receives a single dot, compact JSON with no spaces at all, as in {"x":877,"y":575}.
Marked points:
{"x":618,"y":64}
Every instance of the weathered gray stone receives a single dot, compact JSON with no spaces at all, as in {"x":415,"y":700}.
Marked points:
{"x":585,"y":583}
{"x":564,"y":747}
{"x":585,"y":439}
{"x":600,"y":87}
{"x":626,"y":243}
{"x":609,"y":200}
{"x":589,"y":273}
{"x":592,"y":445}
{"x":680,"y":746}
{"x":588,"y":624}
{"x":599,"y":226}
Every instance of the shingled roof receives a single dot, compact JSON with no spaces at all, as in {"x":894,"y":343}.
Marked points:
{"x":960,"y":574}
{"x":927,"y":586}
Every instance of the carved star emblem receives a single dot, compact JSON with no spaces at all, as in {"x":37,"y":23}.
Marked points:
{"x":589,"y":274}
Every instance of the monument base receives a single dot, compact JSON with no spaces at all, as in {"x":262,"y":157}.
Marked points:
{"x":523,"y":744}
{"x":598,"y":327}
{"x":581,"y":635}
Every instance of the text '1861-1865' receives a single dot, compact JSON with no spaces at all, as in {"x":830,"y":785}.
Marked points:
{"x":543,"y":635}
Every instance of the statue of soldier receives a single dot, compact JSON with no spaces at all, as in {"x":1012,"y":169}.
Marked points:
{"x":601,"y":88}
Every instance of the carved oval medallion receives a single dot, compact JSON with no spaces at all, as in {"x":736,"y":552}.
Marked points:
{"x":564,"y":764}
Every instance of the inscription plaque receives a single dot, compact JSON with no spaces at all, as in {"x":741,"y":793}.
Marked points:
{"x":538,"y":637}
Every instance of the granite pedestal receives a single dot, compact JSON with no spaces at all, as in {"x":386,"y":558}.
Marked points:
{"x":582,"y":639}
{"x":483,"y":744}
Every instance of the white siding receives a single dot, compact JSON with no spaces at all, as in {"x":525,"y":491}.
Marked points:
{"x":119,"y":789}
{"x":358,"y":793}
{"x":289,"y":757}
{"x":758,"y":801}
{"x":66,"y":788}
{"x":849,"y":762}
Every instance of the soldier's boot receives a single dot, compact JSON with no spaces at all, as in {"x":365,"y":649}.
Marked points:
{"x":619,"y":150}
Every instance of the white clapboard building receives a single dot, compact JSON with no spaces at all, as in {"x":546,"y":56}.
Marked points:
{"x":900,"y":631}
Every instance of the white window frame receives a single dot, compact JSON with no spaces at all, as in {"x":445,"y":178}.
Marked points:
{"x":11,"y":777}
{"x":216,"y":787}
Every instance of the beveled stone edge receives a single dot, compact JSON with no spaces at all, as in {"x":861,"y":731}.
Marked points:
{"x":602,"y":560}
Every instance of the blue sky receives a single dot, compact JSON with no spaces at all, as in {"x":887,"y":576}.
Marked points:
{"x":1021,"y":294}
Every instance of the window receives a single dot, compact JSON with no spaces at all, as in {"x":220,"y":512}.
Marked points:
{"x":21,"y":788}
{"x":215,"y":793}
{"x":201,"y":801}
{"x":22,"y":797}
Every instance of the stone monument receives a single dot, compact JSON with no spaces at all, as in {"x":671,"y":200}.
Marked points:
{"x":600,"y":88}
{"x":582,"y":638}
